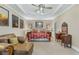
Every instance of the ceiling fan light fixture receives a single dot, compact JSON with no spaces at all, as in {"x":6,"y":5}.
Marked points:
{"x":39,"y":12}
{"x":41,"y":8}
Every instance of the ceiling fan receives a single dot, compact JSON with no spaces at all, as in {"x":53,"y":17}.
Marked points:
{"x":41,"y":8}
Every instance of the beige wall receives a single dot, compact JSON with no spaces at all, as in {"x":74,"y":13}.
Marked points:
{"x":51,"y":26}
{"x":45,"y":23}
{"x":72,"y":18}
{"x":9,"y":29}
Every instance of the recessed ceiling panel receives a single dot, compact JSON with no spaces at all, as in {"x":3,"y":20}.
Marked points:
{"x":29,"y":10}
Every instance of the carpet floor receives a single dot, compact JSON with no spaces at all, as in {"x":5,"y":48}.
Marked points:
{"x":52,"y":48}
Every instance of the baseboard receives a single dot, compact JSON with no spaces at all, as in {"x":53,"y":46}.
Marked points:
{"x":75,"y":48}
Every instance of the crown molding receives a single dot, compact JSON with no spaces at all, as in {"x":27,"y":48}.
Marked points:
{"x":26,"y":17}
{"x":50,"y":18}
{"x":58,"y":8}
{"x":54,"y":17}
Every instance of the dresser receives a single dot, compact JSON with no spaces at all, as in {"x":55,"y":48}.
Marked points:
{"x":67,"y":40}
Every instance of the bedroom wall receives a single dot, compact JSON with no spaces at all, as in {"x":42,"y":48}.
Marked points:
{"x":71,"y":17}
{"x":9,"y":29}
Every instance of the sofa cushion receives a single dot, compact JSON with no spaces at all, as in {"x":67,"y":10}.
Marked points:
{"x":13,"y":40}
{"x":3,"y":40}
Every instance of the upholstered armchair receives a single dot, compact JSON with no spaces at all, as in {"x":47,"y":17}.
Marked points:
{"x":6,"y":49}
{"x":20,"y":45}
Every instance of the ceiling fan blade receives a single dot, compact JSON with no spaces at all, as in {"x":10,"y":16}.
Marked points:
{"x":48,"y":7}
{"x":34,"y":5}
{"x":42,"y":5}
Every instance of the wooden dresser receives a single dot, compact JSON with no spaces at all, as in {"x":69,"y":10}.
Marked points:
{"x":67,"y":40}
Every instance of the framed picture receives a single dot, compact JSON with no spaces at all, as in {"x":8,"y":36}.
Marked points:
{"x":30,"y":25}
{"x":4,"y":16}
{"x":15,"y":21}
{"x":21,"y":23}
{"x":39,"y":24}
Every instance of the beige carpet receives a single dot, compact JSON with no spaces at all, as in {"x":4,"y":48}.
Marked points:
{"x":52,"y":48}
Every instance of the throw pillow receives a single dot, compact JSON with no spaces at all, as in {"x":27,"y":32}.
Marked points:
{"x":13,"y":40}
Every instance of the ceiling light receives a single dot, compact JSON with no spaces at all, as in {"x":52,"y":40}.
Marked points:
{"x":41,"y":8}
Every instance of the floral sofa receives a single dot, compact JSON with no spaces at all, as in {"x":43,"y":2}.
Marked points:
{"x":37,"y":35}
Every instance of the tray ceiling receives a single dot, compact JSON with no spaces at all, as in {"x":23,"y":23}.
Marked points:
{"x":28,"y":10}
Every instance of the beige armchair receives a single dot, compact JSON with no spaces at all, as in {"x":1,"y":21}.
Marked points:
{"x":21,"y":46}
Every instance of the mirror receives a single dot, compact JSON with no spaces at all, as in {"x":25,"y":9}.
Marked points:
{"x":39,"y":24}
